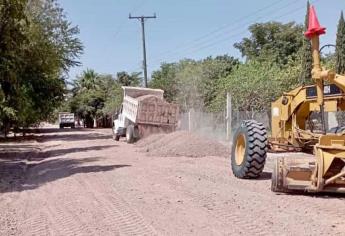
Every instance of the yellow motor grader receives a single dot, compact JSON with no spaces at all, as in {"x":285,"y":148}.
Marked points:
{"x":292,"y":129}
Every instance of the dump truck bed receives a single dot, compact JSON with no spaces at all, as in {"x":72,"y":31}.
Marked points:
{"x":66,"y":117}
{"x":150,"y":109}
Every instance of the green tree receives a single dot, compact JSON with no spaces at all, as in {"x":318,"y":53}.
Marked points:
{"x":86,"y":81}
{"x":254,"y":85}
{"x":13,"y":28}
{"x":95,"y":96}
{"x":165,"y":79}
{"x":193,"y":84}
{"x":214,"y":69}
{"x":340,"y":46}
{"x":306,"y":54}
{"x":272,"y":41}
{"x":113,"y":94}
{"x":126,"y":79}
{"x":38,"y":46}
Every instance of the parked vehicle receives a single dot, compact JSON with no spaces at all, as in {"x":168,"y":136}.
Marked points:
{"x":66,"y":119}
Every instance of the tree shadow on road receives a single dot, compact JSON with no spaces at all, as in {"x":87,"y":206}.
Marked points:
{"x":32,"y":176}
{"x":72,"y":135}
{"x":48,"y":134}
{"x":24,"y":166}
{"x":61,"y":152}
{"x":20,"y":153}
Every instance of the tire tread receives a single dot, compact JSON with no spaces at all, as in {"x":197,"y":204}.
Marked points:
{"x":256,"y":153}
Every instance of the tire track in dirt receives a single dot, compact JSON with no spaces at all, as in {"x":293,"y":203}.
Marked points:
{"x":8,"y":222}
{"x":37,"y":224}
{"x":116,"y":211}
{"x":252,"y":201}
{"x":59,"y":207}
{"x":223,"y":212}
{"x":54,"y":214}
{"x":75,"y":213}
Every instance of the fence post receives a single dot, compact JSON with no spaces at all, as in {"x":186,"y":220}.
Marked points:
{"x":228,"y":116}
{"x":190,"y":120}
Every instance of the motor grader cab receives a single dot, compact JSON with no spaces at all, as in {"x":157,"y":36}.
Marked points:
{"x":293,"y":129}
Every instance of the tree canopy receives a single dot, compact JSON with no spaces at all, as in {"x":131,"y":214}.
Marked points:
{"x":190,"y":83}
{"x":273,"y":41}
{"x":307,"y":60}
{"x":340,"y":46}
{"x":38,"y":46}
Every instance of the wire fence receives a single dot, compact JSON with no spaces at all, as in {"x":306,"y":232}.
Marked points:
{"x":219,"y":126}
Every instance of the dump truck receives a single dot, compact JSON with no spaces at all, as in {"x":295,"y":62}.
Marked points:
{"x":144,"y":111}
{"x":66,"y":119}
{"x":293,"y":129}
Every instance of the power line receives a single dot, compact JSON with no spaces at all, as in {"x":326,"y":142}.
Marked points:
{"x":231,"y":36}
{"x":124,"y":21}
{"x":217,"y":32}
{"x":202,"y":46}
{"x":230,"y":30}
{"x":242,"y":32}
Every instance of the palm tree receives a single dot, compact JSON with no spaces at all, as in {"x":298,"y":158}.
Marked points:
{"x":87,"y":81}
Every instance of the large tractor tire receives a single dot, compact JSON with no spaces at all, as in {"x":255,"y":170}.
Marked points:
{"x":249,"y":148}
{"x":130,"y":134}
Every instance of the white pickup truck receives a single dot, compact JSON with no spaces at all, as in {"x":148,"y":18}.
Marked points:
{"x":144,"y":111}
{"x":66,"y":119}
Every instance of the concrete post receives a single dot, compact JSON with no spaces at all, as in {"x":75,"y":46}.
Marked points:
{"x":228,"y":116}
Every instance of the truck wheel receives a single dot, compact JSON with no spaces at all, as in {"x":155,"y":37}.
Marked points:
{"x":73,"y":126}
{"x":130,"y":134}
{"x":115,"y":136}
{"x":248,"y":154}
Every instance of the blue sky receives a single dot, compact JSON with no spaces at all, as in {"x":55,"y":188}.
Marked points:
{"x":183,"y":28}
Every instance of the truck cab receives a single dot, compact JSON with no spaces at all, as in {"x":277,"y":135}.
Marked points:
{"x":119,"y":125}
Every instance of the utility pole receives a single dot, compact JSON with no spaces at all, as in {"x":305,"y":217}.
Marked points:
{"x":142,"y":20}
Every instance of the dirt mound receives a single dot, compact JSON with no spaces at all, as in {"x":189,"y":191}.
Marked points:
{"x":181,"y":143}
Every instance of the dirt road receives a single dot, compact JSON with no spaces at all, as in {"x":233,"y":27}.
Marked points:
{"x":83,"y":183}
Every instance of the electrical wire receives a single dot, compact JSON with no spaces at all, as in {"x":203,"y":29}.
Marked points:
{"x":220,"y":31}
{"x":203,"y":46}
{"x":125,"y":20}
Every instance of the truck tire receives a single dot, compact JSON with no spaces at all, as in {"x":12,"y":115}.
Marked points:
{"x":115,"y":136}
{"x":249,"y":148}
{"x":130,"y":134}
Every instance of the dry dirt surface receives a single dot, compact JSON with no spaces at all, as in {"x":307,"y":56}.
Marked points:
{"x":181,"y":143}
{"x":81,"y":182}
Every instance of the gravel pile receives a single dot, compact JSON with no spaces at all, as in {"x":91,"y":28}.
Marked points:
{"x":181,"y":143}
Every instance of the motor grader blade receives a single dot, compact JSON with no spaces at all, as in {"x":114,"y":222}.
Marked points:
{"x":291,"y":174}
{"x":309,"y":174}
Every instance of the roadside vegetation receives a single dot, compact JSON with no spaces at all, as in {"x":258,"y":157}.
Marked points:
{"x":95,"y":95}
{"x":38,"y":46}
